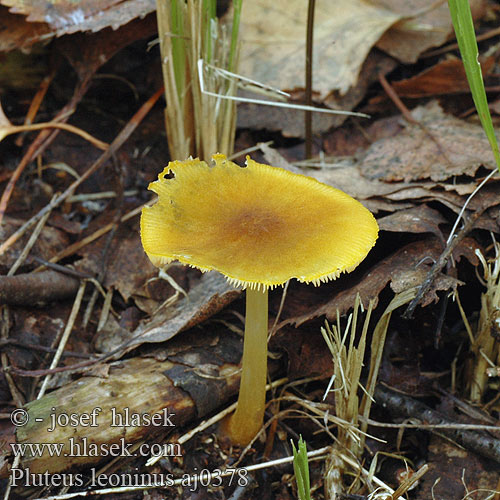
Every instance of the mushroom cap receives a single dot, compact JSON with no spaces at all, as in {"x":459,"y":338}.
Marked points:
{"x":258,"y":225}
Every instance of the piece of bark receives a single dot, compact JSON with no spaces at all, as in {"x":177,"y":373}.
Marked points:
{"x":144,"y":386}
{"x":405,"y":406}
{"x":36,"y":289}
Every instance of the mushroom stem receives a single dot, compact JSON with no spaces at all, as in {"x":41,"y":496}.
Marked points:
{"x":247,"y":420}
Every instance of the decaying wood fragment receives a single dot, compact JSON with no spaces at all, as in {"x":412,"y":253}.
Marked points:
{"x":400,"y":404}
{"x":91,"y":414}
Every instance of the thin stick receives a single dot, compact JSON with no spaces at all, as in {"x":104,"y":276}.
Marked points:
{"x":309,"y":75}
{"x":409,"y":482}
{"x":29,"y":245}
{"x":396,"y":99}
{"x":62,"y":344}
{"x":114,"y":146}
{"x":36,"y":103}
{"x":15,"y":129}
{"x":423,"y":426}
{"x":440,"y":263}
{"x":92,"y":237}
{"x":41,"y":348}
{"x":280,"y":310}
{"x":15,"y":465}
{"x":4,"y":334}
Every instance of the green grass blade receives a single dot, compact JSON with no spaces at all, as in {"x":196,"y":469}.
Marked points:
{"x":301,"y":470}
{"x":237,"y":5}
{"x":466,"y":38}
{"x":209,"y":18}
{"x":178,"y":45}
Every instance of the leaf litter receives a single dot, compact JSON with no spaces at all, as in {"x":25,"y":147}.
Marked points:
{"x":415,"y":195}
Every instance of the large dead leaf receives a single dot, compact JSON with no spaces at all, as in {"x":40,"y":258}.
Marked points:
{"x":402,"y":270}
{"x":274,"y":34}
{"x":377,"y":194}
{"x":65,"y":16}
{"x":344,"y":33}
{"x":445,"y":77}
{"x":425,"y":24}
{"x":289,"y":121}
{"x":442,"y":148}
{"x":306,"y":352}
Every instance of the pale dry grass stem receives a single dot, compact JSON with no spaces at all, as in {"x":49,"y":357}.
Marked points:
{"x":353,"y":400}
{"x":483,"y":341}
{"x":198,"y":123}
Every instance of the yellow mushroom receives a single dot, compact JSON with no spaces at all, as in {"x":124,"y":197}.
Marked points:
{"x":259,"y":226}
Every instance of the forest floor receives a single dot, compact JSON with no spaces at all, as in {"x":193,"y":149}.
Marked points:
{"x":91,"y":332}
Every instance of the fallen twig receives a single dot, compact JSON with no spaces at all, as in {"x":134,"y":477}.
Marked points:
{"x":405,"y":406}
{"x":36,"y":347}
{"x":114,"y":146}
{"x":36,"y":288}
{"x":15,"y":129}
{"x":440,"y":263}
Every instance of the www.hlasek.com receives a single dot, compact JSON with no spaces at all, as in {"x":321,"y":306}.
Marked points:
{"x":81,"y":447}
{"x":205,"y":478}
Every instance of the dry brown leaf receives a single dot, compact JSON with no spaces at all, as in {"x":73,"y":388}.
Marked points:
{"x":447,"y":147}
{"x":274,"y":34}
{"x":399,"y":266}
{"x":353,"y":181}
{"x":378,"y":195}
{"x":306,"y":352}
{"x":65,"y":17}
{"x":88,"y":53}
{"x":445,"y":77}
{"x":421,"y":219}
{"x":405,"y":279}
{"x":209,"y":296}
{"x":344,"y":33}
{"x":127,"y":266}
{"x":425,"y":24}
{"x":16,"y":33}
